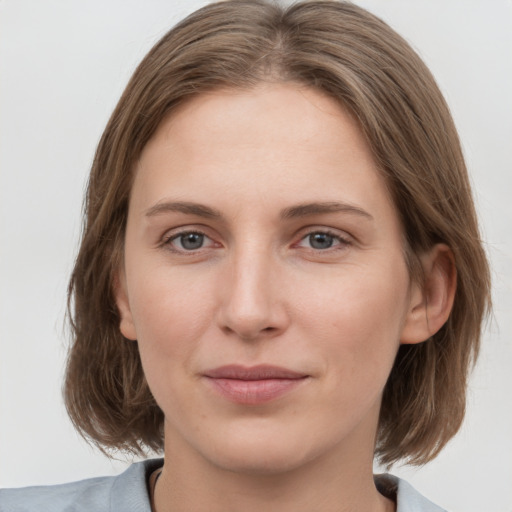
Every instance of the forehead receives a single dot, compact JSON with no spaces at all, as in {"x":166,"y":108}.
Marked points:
{"x":298,"y":112}
{"x":287,"y":138}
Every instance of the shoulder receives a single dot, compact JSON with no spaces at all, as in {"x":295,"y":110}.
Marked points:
{"x":408,"y":499}
{"x":126,"y":492}
{"x":91,"y":494}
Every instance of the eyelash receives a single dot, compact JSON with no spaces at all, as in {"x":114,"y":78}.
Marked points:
{"x":342,"y":242}
{"x":168,"y":241}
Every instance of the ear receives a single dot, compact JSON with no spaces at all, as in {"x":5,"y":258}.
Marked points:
{"x":126,"y":325}
{"x":431,"y":301}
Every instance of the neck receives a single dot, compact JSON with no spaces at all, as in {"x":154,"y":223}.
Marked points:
{"x":331,"y":483}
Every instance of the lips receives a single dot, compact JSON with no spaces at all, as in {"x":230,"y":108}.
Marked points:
{"x":260,"y":372}
{"x":253,"y":385}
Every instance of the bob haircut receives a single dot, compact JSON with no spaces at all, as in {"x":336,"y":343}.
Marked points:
{"x":354,"y":57}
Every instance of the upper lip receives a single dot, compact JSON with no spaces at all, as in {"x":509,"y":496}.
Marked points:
{"x":259,"y":372}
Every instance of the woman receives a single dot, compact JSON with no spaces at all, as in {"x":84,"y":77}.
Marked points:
{"x":280,"y":274}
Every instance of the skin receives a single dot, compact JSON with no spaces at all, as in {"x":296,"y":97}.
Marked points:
{"x":261,"y":289}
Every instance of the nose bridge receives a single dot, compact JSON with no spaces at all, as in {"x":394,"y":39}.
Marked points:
{"x":250,"y":307}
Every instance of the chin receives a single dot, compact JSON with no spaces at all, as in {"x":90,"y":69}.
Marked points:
{"x":259,"y":462}
{"x":262,"y":453}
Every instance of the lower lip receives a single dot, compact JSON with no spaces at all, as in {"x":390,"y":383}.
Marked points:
{"x":254,"y":392}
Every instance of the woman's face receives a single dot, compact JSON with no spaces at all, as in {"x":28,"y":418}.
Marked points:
{"x":264,"y":280}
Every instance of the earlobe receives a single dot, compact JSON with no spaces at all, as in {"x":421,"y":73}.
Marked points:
{"x":126,"y":325}
{"x":431,"y":301}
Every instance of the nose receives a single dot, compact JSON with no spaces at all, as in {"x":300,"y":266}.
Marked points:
{"x":252,"y":305}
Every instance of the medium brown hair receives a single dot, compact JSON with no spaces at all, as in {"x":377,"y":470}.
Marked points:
{"x":354,"y":57}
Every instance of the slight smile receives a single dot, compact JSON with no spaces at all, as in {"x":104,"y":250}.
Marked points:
{"x":253,"y":385}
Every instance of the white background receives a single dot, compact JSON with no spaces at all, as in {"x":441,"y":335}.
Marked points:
{"x":63,"y":65}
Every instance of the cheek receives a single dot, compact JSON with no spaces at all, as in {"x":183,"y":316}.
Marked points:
{"x":165,"y":300}
{"x":358,"y":321}
{"x":171,"y":312}
{"x":170,"y":320}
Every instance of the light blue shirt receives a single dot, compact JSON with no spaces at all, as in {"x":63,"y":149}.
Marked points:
{"x":128,"y":492}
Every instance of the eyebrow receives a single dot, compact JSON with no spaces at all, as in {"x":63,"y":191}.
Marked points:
{"x":306,"y":209}
{"x":186,"y":207}
{"x":293,"y":212}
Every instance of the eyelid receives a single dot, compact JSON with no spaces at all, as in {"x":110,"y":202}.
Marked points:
{"x":342,"y":237}
{"x":176,"y":233}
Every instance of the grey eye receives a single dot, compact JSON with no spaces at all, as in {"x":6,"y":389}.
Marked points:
{"x":191,"y":241}
{"x":321,"y":240}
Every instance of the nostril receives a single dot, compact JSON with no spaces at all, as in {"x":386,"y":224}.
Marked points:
{"x":249,"y":334}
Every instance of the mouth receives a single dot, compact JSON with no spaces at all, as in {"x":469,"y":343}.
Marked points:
{"x":253,"y":385}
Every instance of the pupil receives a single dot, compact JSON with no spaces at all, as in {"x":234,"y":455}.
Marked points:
{"x":321,"y":240}
{"x":192,"y":241}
